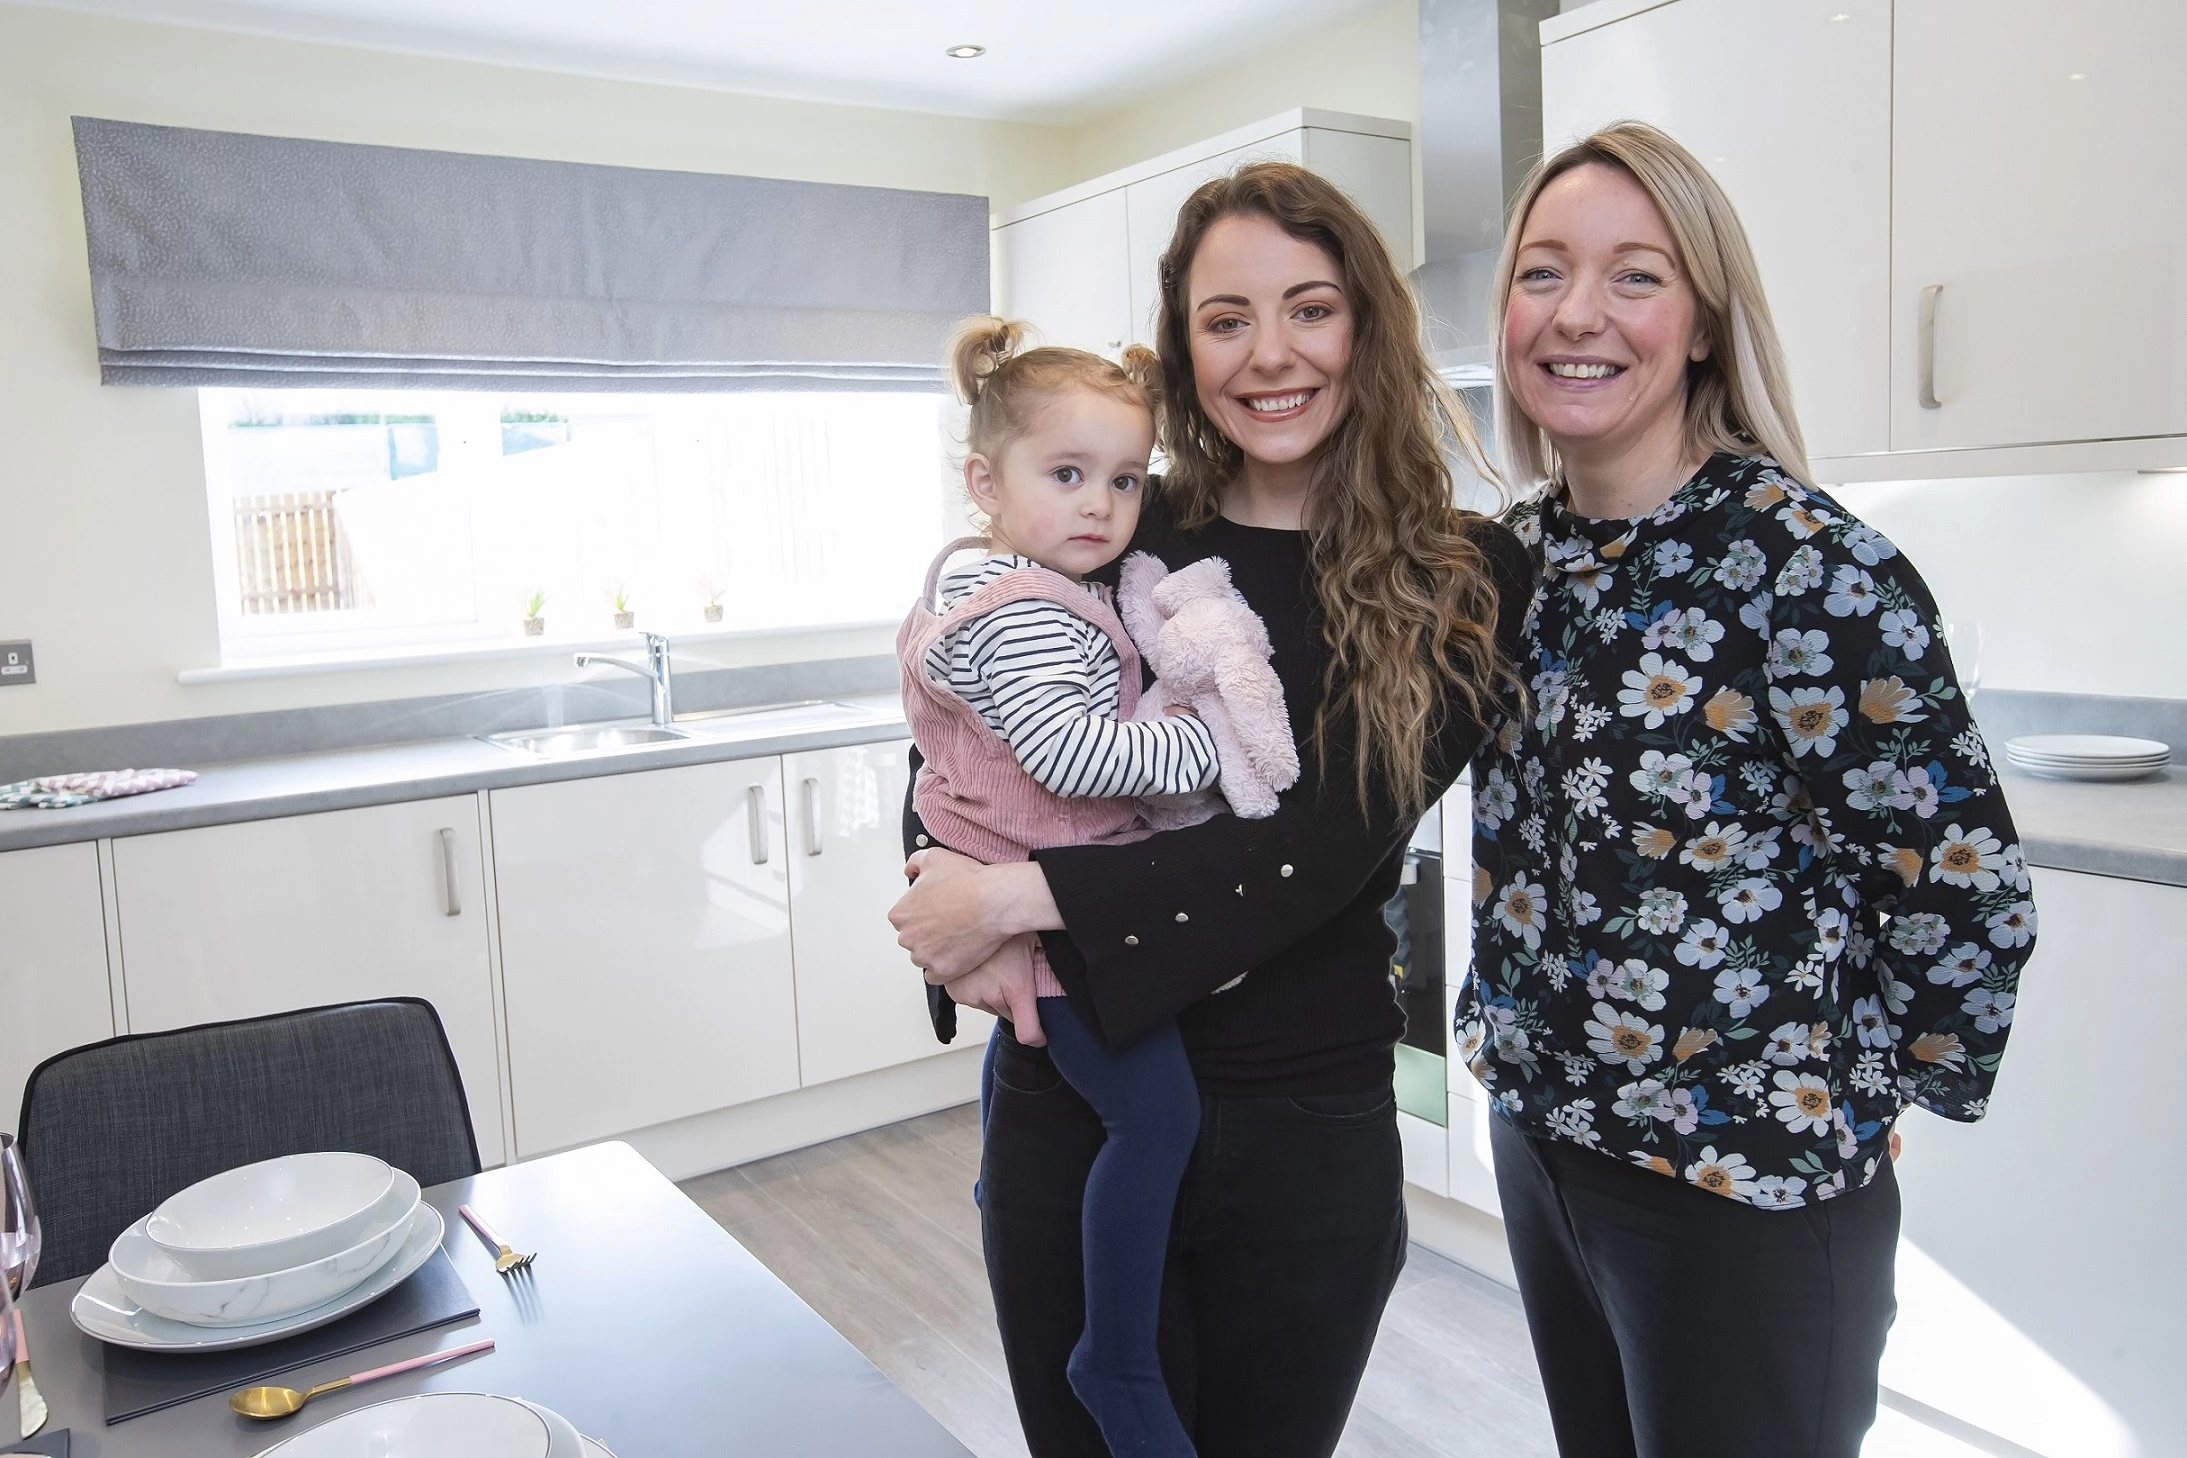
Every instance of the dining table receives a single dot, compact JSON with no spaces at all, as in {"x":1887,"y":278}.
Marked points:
{"x":642,"y":1321}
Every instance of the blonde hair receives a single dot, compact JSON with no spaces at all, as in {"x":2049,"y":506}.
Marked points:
{"x":1407,"y":602}
{"x":1739,"y":398}
{"x":1005,"y":384}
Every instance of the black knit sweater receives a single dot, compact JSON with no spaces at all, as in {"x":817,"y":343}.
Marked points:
{"x":1295,"y":899}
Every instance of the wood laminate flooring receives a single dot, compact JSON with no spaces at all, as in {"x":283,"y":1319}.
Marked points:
{"x":878,"y":1234}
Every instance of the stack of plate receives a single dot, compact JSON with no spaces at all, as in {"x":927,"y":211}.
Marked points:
{"x":443,"y":1425}
{"x":2087,"y":756}
{"x":258,"y":1253}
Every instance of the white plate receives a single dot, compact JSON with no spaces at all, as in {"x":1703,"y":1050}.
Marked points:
{"x":2087,"y":747}
{"x":103,"y":1310}
{"x":437,"y":1425}
{"x":594,"y":1448}
{"x":272,"y":1215}
{"x":568,"y":1442}
{"x":2092,"y":773}
{"x":155,"y":1281}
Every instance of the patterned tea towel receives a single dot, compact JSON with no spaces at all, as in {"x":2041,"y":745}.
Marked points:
{"x":58,"y":792}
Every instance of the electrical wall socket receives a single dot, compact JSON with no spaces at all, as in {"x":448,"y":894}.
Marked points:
{"x":17,"y":667}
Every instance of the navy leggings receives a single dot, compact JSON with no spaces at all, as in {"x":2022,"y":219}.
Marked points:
{"x":1150,"y":1111}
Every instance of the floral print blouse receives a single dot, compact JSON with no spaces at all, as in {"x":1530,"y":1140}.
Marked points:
{"x":1745,"y":884}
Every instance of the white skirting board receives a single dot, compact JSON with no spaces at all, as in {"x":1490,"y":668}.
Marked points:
{"x":703,"y":1143}
{"x":1473,"y":1238}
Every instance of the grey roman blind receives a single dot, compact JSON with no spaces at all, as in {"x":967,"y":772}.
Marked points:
{"x":219,"y":258}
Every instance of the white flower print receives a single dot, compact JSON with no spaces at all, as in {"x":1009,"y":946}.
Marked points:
{"x":1965,"y":965}
{"x":1624,"y":1038}
{"x":1745,"y":1079}
{"x":1695,"y":792}
{"x":1897,"y":995}
{"x":1786,"y":1044}
{"x":1842,"y":1131}
{"x":1583,"y":786}
{"x":1552,"y":694}
{"x":1867,"y":545}
{"x":1655,"y":691}
{"x":1967,"y":858}
{"x":1968,"y":745}
{"x":1715,"y":847}
{"x":1575,"y":1121}
{"x":1533,"y":833}
{"x":1804,"y":521}
{"x":1588,"y":720}
{"x":1661,"y":911}
{"x":1673,"y":558}
{"x":2012,"y":869}
{"x":1918,"y":933}
{"x":1779,"y":1192}
{"x":1792,"y":653}
{"x":1871,"y":1076}
{"x":1556,"y":969}
{"x":1990,"y":1010}
{"x":1577,"y":1069}
{"x":1691,"y":631}
{"x":1704,"y":945}
{"x":1722,"y":1174}
{"x":2014,"y":926}
{"x":1583,"y":907}
{"x":1802,"y":572}
{"x":1496,"y":801}
{"x":1812,"y":718}
{"x":1831,"y":928}
{"x":1759,"y":778}
{"x":1608,"y":624}
{"x":1519,"y":908}
{"x":1906,"y":632}
{"x":1852,"y":593}
{"x":1921,"y":794}
{"x":1806,"y":975}
{"x":1760,"y":850}
{"x":1802,"y":1102}
{"x":1741,"y":567}
{"x":1877,"y":789}
{"x":1871,"y":1025}
{"x":1750,"y":900}
{"x":1633,"y":980}
{"x":1754,"y":613}
{"x":1660,"y":774}
{"x":1741,"y":989}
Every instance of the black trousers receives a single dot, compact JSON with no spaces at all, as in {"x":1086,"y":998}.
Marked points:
{"x":1673,"y":1323}
{"x":1289,"y":1235}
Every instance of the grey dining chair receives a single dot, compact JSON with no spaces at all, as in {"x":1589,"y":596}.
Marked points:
{"x":111,"y":1129}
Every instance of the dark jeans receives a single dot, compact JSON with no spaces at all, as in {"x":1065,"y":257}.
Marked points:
{"x":1289,"y":1234}
{"x":1673,"y":1323}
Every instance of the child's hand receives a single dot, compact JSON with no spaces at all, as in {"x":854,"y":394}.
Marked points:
{"x":1183,"y":711}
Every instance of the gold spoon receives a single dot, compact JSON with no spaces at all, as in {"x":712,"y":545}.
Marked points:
{"x":279,"y":1402}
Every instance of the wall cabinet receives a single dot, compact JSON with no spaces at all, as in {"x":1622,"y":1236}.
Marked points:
{"x":645,"y":947}
{"x":234,"y":921}
{"x":860,"y":1002}
{"x":1969,"y":214}
{"x":2038,"y":189}
{"x":1789,"y":105}
{"x":1081,"y":264}
{"x":54,"y":992}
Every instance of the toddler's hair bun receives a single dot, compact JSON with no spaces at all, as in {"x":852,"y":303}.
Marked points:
{"x":980,"y":346}
{"x":1143,"y":367}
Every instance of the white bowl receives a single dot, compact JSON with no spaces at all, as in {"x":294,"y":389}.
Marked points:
{"x":159,"y":1283}
{"x":272,"y":1215}
{"x":438,"y":1425}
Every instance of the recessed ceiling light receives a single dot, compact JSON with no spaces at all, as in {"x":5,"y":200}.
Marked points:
{"x":1841,"y":16}
{"x":2077,"y":76}
{"x":966,"y":53}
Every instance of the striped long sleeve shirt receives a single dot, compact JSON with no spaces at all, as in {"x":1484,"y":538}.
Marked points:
{"x":1048,"y":682}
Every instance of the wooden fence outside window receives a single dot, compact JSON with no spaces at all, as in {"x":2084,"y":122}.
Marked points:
{"x":291,"y":555}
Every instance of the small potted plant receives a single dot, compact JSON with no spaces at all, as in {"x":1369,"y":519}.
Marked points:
{"x":624,"y":617}
{"x":713,"y":599}
{"x":534,"y":624}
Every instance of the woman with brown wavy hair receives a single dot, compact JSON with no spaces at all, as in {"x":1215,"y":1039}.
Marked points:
{"x":1307,"y":438}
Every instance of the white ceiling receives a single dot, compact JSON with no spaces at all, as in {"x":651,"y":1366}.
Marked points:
{"x":1052,"y":61}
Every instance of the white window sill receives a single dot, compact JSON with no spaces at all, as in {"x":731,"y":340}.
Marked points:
{"x":494,"y":650}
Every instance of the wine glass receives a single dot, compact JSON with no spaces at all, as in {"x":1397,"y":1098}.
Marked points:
{"x":1963,"y":639}
{"x":19,"y":1245}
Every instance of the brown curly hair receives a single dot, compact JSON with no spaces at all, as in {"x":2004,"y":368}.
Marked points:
{"x":1408,"y":603}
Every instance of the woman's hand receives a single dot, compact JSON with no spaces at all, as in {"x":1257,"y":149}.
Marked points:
{"x":1003,"y":985}
{"x":959,"y":912}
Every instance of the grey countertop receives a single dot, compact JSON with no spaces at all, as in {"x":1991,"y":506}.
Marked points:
{"x":302,"y":784}
{"x":2136,"y":830}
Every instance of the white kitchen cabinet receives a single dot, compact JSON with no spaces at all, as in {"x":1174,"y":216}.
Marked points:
{"x":1469,"y":1170}
{"x":1076,"y":260}
{"x":1070,"y":270}
{"x":645,"y":946}
{"x":2042,"y":1297}
{"x":1788,"y":103}
{"x":234,"y":921}
{"x":54,"y":993}
{"x":2038,"y":186}
{"x":861,"y":1004}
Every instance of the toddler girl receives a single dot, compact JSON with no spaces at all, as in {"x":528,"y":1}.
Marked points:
{"x":1020,"y":683}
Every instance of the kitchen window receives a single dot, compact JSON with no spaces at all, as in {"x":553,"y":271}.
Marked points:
{"x":365,"y":523}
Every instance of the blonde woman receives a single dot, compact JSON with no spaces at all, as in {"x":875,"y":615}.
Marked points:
{"x":1744,"y":750}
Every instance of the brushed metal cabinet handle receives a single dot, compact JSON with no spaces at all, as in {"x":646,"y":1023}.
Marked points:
{"x":1926,"y":361}
{"x":755,"y":800}
{"x":451,"y":904}
{"x":812,"y":817}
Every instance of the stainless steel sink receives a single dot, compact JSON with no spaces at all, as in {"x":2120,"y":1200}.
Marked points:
{"x":765,"y":719}
{"x":584,"y":739}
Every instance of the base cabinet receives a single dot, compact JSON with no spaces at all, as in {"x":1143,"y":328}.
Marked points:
{"x":861,"y":1004}
{"x":54,"y":993}
{"x":645,"y":946}
{"x":235,"y":921}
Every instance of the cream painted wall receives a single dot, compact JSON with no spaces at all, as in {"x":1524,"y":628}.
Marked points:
{"x":105,"y":554}
{"x":2075,"y":580}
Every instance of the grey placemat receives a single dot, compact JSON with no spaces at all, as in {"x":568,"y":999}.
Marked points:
{"x":52,"y":1445}
{"x":141,"y":1382}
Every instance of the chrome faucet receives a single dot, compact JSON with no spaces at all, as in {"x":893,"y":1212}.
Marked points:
{"x":654,"y":671}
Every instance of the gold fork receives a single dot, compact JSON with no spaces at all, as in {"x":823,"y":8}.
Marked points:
{"x":505,"y":1259}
